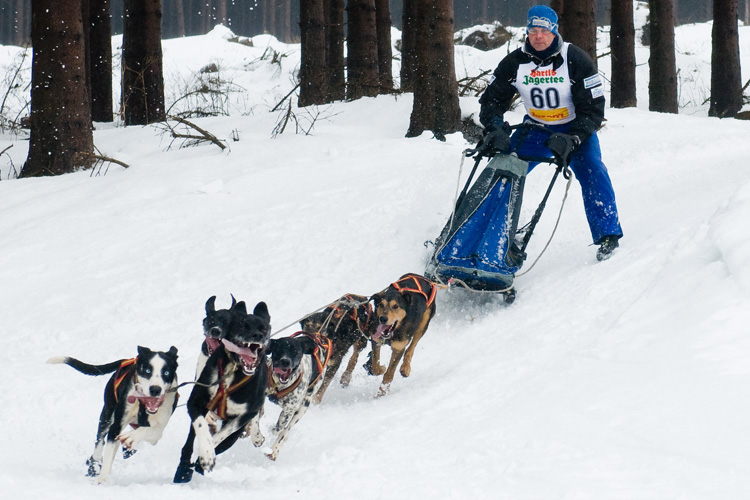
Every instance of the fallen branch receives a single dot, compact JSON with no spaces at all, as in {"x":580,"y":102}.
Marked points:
{"x":205,"y":135}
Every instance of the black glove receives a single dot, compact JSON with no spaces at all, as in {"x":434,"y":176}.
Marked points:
{"x":562,"y":145}
{"x":496,"y":139}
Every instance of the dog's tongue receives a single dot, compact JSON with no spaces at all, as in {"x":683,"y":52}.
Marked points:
{"x":249,"y":356}
{"x":282,"y":374}
{"x":380,"y":331}
{"x":212,"y":343}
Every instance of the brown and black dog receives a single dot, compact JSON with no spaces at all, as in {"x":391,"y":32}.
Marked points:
{"x":403,"y":312}
{"x":347,"y":322}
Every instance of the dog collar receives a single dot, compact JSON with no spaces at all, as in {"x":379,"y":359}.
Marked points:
{"x":280,"y":394}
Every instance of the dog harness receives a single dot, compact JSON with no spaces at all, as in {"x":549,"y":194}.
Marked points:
{"x":417,"y":287}
{"x":361,"y":322}
{"x":126,"y":368}
{"x":321,"y":344}
{"x":218,"y":403}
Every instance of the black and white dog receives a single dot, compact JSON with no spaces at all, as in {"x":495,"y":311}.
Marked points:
{"x":297,"y":366}
{"x":215,"y":327}
{"x":141,"y":393}
{"x":230,"y":391}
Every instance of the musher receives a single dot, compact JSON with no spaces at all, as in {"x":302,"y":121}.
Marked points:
{"x":561,"y":90}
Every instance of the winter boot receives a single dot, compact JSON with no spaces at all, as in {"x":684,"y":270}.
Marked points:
{"x":607,"y":245}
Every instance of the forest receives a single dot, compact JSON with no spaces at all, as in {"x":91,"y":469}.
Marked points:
{"x":281,"y":17}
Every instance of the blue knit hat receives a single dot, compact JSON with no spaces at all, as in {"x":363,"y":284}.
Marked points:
{"x":541,"y":16}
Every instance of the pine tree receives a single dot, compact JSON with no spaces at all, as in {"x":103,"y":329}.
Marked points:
{"x":61,"y":137}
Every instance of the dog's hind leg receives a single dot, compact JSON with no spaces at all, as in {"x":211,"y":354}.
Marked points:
{"x":94,"y":462}
{"x":110,"y":450}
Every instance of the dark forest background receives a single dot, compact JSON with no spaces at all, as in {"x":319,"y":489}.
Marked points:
{"x":281,"y":17}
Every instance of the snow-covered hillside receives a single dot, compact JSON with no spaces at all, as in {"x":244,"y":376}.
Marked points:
{"x":626,"y":379}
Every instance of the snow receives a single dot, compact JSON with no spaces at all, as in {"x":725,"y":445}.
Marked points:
{"x":626,"y":379}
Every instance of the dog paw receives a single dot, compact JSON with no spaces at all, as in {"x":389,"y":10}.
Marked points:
{"x":184,"y":474}
{"x":128,"y":452}
{"x":383,"y":390}
{"x":272,"y":455}
{"x":405,"y":370}
{"x":378,"y":369}
{"x":127,"y":440}
{"x":346,"y":379}
{"x":95,"y":467}
{"x":206,"y":462}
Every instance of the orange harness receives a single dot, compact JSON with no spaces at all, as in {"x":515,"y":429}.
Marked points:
{"x":126,"y":368}
{"x":418,"y":288}
{"x":219,"y":401}
{"x":354,"y":315}
{"x":321,"y":344}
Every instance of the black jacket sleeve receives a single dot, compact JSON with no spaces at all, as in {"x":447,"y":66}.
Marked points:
{"x":498,"y":96}
{"x":589,"y":110}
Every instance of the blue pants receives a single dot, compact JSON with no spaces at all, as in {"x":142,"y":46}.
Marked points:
{"x":586,"y":163}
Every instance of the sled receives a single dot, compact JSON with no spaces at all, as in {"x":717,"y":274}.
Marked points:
{"x":481,"y":248}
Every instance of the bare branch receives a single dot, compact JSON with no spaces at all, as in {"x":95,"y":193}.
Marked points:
{"x":205,"y":135}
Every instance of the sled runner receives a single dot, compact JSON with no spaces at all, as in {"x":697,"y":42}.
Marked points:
{"x":481,"y":248}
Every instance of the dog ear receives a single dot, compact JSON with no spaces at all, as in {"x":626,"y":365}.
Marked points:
{"x":210,"y":309}
{"x":142,"y":351}
{"x":172,"y":352}
{"x":272,"y":344}
{"x":308,"y":345}
{"x":240,"y":307}
{"x":261,"y":310}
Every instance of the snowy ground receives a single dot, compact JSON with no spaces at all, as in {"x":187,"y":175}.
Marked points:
{"x":627,"y":379}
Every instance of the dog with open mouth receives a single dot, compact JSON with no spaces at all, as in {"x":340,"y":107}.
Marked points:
{"x":403,"y":312}
{"x":141,"y":393}
{"x":216,"y":324}
{"x":297,"y":365}
{"x":229,"y":392}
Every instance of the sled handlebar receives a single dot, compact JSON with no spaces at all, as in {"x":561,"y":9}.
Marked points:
{"x":481,"y":149}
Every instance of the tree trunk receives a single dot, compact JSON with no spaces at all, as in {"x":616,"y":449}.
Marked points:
{"x":61,"y":135}
{"x":362,"y":50}
{"x":100,"y":54}
{"x":578,"y":25}
{"x":312,"y":72}
{"x":622,"y":42}
{"x":436,"y":106}
{"x":286,"y":29}
{"x":385,"y":54}
{"x":180,"y":7}
{"x":726,"y":78}
{"x":335,"y":50}
{"x":662,"y":86}
{"x":409,"y":45}
{"x":142,"y":77}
